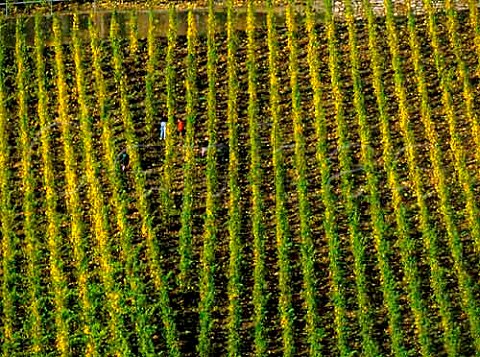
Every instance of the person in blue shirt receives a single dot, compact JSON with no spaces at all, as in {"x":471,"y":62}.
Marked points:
{"x":163,"y":129}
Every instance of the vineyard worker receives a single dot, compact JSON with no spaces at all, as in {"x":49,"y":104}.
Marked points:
{"x":123,"y":160}
{"x":181,"y":127}
{"x":163,"y":129}
{"x":204,"y":148}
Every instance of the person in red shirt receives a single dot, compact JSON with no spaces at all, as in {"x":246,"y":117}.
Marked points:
{"x":181,"y":127}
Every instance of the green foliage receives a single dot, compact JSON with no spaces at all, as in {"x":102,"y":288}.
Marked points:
{"x":321,"y":154}
{"x":99,"y":217}
{"x":429,"y":235}
{"x":344,"y":158}
{"x":77,"y":229}
{"x":53,"y":235}
{"x":257,"y":204}
{"x":473,"y":17}
{"x":118,"y":201}
{"x":282,"y":233}
{"x":387,"y":279}
{"x":207,"y":281}
{"x":235,"y":245}
{"x":150,"y":78}
{"x":34,"y":322}
{"x":438,"y":278}
{"x":465,"y":282}
{"x":166,"y":196}
{"x":133,"y":33}
{"x":119,"y":204}
{"x":147,"y":231}
{"x":406,"y":242}
{"x":84,"y":245}
{"x":9,"y":241}
{"x":471,"y":208}
{"x":185,"y":248}
{"x":313,"y":329}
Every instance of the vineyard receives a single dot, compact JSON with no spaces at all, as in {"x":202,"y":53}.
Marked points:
{"x":322,"y":199}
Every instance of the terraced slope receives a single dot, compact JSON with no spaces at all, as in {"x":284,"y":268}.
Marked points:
{"x":321,"y":201}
